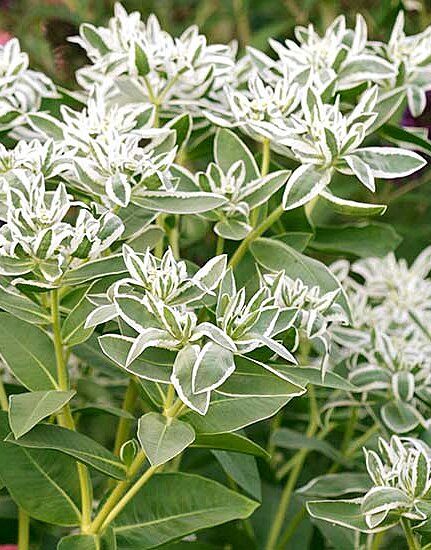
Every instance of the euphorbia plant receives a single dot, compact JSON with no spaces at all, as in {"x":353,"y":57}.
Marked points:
{"x":156,"y":301}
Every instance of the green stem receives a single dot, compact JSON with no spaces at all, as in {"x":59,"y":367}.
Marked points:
{"x":23,"y":518}
{"x":113,"y":513}
{"x":4,"y":402}
{"x":23,"y":530}
{"x":298,"y":462}
{"x":123,"y":428}
{"x":266,"y":157}
{"x":159,"y":249}
{"x":377,"y":540}
{"x":117,"y":494}
{"x":255,"y":234}
{"x":65,"y":418}
{"x":264,"y":169}
{"x":174,"y":237}
{"x":220,"y":245}
{"x":292,"y":527}
{"x":62,"y":377}
{"x":412,"y":541}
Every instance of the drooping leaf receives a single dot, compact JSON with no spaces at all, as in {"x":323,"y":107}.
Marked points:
{"x":371,"y":240}
{"x":28,"y":352}
{"x":27,"y":409}
{"x":156,"y":515}
{"x":243,"y":470}
{"x":228,"y":148}
{"x":77,"y":445}
{"x":334,"y":485}
{"x":289,"y":439}
{"x":44,"y":483}
{"x":22,"y":307}
{"x":230,"y":442}
{"x":163,"y":438}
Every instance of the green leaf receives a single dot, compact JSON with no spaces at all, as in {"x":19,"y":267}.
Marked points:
{"x":179,"y":202}
{"x":269,"y":185}
{"x":28,"y":352}
{"x":304,"y":184}
{"x":93,"y":37}
{"x":117,"y":348}
{"x":22,"y":307}
{"x":400,"y":417}
{"x":334,"y":485}
{"x":228,"y":148}
{"x":182,"y":124}
{"x":348,"y":207}
{"x":95,"y":269}
{"x":81,"y":447}
{"x":252,"y":378}
{"x":346,"y":513}
{"x":289,"y":439}
{"x":79,"y":542}
{"x":386,"y":106}
{"x":405,"y":138}
{"x":173,"y":505}
{"x":297,"y":240}
{"x":27,"y":409}
{"x":277,"y":256}
{"x":141,"y":61}
{"x":72,"y":328}
{"x":228,"y":414}
{"x":374,"y":239}
{"x":44,"y":483}
{"x":163,"y":438}
{"x":313,"y":375}
{"x":46,"y":124}
{"x":243,"y":470}
{"x":391,"y":162}
{"x":230,"y":442}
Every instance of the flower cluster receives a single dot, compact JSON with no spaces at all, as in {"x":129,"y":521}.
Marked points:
{"x":158,"y":302}
{"x":36,"y":237}
{"x":401,"y":477}
{"x":21,"y":89}
{"x":144,"y":61}
{"x":388,"y":347}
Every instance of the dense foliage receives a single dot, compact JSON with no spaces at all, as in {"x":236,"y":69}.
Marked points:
{"x":201,"y":323}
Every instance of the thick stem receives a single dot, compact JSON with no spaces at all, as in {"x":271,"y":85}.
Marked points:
{"x":377,"y":540}
{"x":62,"y":378}
{"x":4,"y":402}
{"x":412,"y":541}
{"x":264,"y":169}
{"x":220,"y":245}
{"x":266,"y":157}
{"x":128,"y":497}
{"x":23,"y":530}
{"x":298,"y":462}
{"x":65,"y":418}
{"x":159,"y":249}
{"x":255,"y":234}
{"x":117,"y":494}
{"x":123,"y":428}
{"x":292,"y":527}
{"x":174,"y":237}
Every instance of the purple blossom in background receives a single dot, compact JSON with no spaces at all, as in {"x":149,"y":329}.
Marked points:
{"x":422,"y":121}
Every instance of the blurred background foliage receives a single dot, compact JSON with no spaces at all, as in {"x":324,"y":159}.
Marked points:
{"x":44,"y":25}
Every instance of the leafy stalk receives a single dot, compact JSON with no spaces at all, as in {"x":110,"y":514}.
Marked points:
{"x":65,"y":417}
{"x":255,"y":234}
{"x":412,"y":541}
{"x":298,"y":462}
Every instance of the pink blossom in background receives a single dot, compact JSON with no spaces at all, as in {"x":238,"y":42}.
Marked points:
{"x":4,"y":37}
{"x":8,"y":547}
